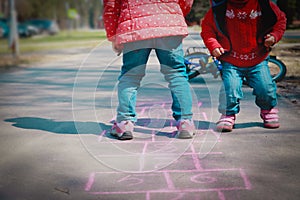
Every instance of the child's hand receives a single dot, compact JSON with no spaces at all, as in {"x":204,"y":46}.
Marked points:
{"x":117,"y":48}
{"x":269,"y":40}
{"x":217,"y":52}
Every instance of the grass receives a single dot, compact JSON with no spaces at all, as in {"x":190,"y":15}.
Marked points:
{"x":42,"y":43}
{"x":63,"y":39}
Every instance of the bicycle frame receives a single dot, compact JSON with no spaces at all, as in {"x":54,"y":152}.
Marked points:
{"x":203,"y":64}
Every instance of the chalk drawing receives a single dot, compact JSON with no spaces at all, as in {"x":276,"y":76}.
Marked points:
{"x":175,"y":184}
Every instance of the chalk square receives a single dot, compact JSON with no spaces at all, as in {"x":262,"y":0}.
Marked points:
{"x":126,"y":183}
{"x":209,"y":180}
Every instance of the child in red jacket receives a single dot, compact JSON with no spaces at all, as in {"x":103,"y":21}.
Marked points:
{"x":137,"y":27}
{"x":240,"y":34}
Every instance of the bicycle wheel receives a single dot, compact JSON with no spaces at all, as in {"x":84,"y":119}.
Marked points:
{"x":277,"y":69}
{"x":195,"y":62}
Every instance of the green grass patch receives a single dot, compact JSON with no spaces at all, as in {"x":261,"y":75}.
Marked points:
{"x":65,"y":39}
{"x":66,"y":36}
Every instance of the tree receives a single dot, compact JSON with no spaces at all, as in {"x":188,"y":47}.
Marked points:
{"x":289,"y":7}
{"x":199,"y":8}
{"x":89,"y":10}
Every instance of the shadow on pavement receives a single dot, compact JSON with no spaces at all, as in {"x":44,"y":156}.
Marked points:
{"x":144,"y":125}
{"x":248,"y":125}
{"x":59,"y":127}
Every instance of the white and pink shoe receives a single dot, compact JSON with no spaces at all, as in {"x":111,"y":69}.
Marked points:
{"x":270,"y":117}
{"x":122,"y":130}
{"x":185,"y":129}
{"x":226,"y":123}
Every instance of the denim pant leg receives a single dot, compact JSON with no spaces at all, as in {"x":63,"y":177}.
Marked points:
{"x":173,"y":68}
{"x":264,"y":88}
{"x":231,"y":90}
{"x":133,"y":70}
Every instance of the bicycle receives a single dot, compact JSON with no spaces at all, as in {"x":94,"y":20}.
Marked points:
{"x":199,"y":62}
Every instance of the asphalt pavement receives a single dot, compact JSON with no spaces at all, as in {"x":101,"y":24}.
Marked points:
{"x":55,"y":118}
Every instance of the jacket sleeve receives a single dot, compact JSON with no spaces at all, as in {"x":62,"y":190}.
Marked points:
{"x":111,"y":13}
{"x":280,"y":26}
{"x":209,"y":32}
{"x":186,"y":6}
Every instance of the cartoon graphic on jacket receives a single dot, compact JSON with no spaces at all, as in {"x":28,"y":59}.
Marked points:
{"x":241,"y":31}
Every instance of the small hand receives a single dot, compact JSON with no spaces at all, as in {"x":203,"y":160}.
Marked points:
{"x":117,"y":48}
{"x":217,"y":52}
{"x":269,"y":40}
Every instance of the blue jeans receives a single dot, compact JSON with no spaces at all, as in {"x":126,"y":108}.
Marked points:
{"x":258,"y":77}
{"x":171,"y":57}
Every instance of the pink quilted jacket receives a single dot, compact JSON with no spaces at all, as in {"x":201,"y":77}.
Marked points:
{"x":134,"y":20}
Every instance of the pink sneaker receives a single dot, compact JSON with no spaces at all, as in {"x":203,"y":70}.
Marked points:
{"x":270,"y":117}
{"x":122,"y":130}
{"x":186,"y":129}
{"x":225,"y":123}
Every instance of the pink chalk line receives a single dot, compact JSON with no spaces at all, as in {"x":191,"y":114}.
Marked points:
{"x":162,"y":154}
{"x":189,"y":190}
{"x":148,"y":196}
{"x":142,"y":157}
{"x":90,"y":182}
{"x":181,"y":171}
{"x":199,"y":104}
{"x":169,"y":181}
{"x":196,"y":160}
{"x":145,"y":148}
{"x":142,"y":111}
{"x":101,"y":135}
{"x":246,"y":180}
{"x":204,"y":116}
{"x":221,"y":195}
{"x":158,"y":141}
{"x":153,"y":135}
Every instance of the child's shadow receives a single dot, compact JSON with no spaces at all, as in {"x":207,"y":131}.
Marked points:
{"x":58,"y":127}
{"x":248,"y":125}
{"x":144,"y":126}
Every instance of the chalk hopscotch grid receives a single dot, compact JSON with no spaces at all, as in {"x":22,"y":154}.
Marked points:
{"x":204,"y":180}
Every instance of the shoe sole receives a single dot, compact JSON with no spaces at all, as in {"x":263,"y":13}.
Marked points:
{"x":271,"y":126}
{"x":185,"y":135}
{"x":125,"y":136}
{"x":224,"y":128}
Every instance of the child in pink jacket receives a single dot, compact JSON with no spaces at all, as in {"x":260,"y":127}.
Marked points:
{"x":137,"y":28}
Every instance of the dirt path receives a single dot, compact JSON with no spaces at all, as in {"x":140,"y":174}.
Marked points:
{"x":290,"y":86}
